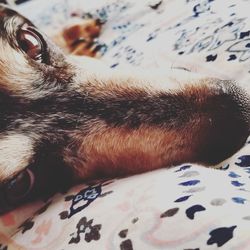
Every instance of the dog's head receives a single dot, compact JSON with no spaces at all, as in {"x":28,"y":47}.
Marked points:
{"x":33,"y":74}
{"x":44,"y":97}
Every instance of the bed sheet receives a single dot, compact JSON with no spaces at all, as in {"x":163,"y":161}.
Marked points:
{"x":184,"y":207}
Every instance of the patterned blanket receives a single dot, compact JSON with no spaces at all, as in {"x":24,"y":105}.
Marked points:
{"x":188,"y":207}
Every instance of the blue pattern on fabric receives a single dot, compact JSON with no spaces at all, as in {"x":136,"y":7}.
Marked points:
{"x":233,"y":175}
{"x":183,"y":198}
{"x":190,"y":212}
{"x":189,"y":183}
{"x":86,"y":196}
{"x":182,"y":168}
{"x":239,"y":200}
{"x":221,"y":236}
{"x":243,"y":161}
{"x":237,"y":183}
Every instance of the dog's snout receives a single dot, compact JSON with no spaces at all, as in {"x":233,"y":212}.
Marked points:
{"x":238,"y":101}
{"x":227,"y":124}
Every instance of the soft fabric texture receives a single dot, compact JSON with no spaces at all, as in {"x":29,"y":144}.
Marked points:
{"x":185,"y":207}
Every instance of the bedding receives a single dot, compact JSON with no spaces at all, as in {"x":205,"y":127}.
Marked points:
{"x":187,"y":207}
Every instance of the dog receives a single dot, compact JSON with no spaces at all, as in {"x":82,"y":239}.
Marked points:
{"x":64,"y":120}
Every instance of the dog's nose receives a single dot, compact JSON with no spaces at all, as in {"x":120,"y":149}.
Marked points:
{"x":227,"y":122}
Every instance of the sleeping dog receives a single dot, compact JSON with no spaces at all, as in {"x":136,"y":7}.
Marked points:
{"x":63,"y":119}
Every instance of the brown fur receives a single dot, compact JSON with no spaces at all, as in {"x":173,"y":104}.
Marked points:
{"x":82,"y":120}
{"x":78,"y":39}
{"x":121,"y":151}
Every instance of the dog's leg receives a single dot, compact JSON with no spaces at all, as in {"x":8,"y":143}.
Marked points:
{"x":78,"y":38}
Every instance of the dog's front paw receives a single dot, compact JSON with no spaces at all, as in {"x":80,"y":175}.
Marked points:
{"x":80,"y":38}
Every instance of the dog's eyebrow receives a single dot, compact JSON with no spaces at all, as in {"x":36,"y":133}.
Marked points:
{"x":10,"y":22}
{"x":16,"y":152}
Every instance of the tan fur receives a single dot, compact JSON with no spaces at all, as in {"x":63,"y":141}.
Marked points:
{"x":17,"y":151}
{"x":121,"y":151}
{"x":15,"y":79}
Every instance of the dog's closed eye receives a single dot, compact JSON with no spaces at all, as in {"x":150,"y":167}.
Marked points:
{"x":32,"y":43}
